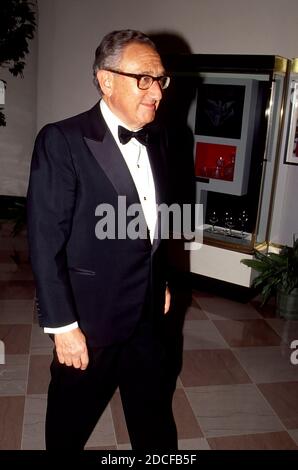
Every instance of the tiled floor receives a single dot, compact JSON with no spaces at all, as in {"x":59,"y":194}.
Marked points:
{"x":237,"y":388}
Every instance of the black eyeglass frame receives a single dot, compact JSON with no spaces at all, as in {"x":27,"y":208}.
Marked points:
{"x":139,"y":76}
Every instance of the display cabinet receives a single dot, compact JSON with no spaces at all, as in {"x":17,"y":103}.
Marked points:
{"x":225,"y":117}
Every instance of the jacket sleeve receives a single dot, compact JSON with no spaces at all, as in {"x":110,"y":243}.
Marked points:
{"x":50,"y":206}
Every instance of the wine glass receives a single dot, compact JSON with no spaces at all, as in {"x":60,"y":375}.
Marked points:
{"x":219,"y":167}
{"x":213,"y":219}
{"x":230,"y":223}
{"x":229,"y":168}
{"x":243,"y":218}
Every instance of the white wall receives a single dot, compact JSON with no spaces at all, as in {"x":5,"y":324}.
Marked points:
{"x":289,"y":214}
{"x":17,"y":137}
{"x":285,"y":215}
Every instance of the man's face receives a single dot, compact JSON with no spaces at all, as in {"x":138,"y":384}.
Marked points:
{"x":133,"y":106}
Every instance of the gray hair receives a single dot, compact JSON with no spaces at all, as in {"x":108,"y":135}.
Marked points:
{"x":109,"y":52}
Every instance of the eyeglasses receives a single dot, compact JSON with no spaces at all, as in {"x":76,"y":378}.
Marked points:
{"x":144,"y":82}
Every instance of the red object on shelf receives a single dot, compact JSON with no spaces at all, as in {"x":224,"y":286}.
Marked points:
{"x":215,"y":161}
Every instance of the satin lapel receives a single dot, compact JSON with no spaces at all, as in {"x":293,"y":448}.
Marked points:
{"x":109,"y":158}
{"x":107,"y":154}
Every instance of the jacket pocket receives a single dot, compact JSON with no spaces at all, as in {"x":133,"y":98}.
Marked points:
{"x":83,"y":272}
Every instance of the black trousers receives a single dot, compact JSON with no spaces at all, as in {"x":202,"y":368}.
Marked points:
{"x":77,"y":399}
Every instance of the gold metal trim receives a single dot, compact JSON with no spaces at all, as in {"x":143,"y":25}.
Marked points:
{"x":279,"y":246}
{"x":265,"y":247}
{"x":294,"y":67}
{"x":261,"y":246}
{"x":280,"y":64}
{"x":281,"y":126}
{"x":227,"y":245}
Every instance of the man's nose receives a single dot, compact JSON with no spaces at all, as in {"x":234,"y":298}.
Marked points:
{"x":155,"y":91}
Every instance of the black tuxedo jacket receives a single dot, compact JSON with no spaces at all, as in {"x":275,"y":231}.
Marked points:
{"x":102,"y":284}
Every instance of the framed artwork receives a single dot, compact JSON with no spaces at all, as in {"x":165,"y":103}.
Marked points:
{"x":291,"y":155}
{"x":215,"y":161}
{"x":220,"y":110}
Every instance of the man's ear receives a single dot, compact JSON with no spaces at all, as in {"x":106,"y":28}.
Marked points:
{"x":105,"y":80}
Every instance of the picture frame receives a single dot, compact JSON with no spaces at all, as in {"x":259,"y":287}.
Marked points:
{"x":220,"y":110}
{"x":291,"y":153}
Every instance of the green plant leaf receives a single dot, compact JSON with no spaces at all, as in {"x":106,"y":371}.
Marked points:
{"x":275,"y":271}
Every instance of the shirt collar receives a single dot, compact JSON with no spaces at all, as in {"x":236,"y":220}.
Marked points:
{"x":112,"y":120}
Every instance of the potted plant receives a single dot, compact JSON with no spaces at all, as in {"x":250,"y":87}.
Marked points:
{"x":278,"y":275}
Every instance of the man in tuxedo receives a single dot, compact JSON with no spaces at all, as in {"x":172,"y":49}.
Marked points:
{"x":103,"y":298}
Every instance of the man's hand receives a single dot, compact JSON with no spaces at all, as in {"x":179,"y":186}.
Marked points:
{"x":71,"y":349}
{"x":167,"y":300}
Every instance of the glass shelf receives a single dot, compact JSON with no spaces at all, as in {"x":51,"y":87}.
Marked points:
{"x":226,"y":235}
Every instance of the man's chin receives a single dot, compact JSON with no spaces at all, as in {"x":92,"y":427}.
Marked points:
{"x":148,"y":118}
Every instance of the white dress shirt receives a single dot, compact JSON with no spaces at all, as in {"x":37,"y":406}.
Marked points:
{"x":137,"y":160}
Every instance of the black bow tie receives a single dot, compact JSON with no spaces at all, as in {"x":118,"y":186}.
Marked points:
{"x":125,"y":135}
